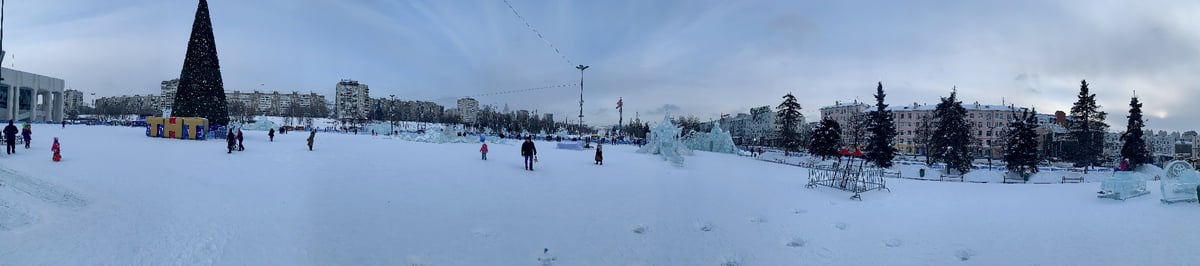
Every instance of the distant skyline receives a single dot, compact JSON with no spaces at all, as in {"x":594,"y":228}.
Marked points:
{"x":702,"y":58}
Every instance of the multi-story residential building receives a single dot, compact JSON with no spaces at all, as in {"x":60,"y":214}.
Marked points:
{"x":468,"y":109}
{"x":548,"y":117}
{"x":846,"y":114}
{"x":122,"y":105}
{"x":1196,"y":148}
{"x":167,"y":94}
{"x":274,"y":103}
{"x":73,"y":101}
{"x":353,"y":100}
{"x":759,"y":127}
{"x":988,"y":124}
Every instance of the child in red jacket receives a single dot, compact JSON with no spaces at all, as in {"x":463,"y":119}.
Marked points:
{"x":57,"y":152}
{"x":483,"y":150}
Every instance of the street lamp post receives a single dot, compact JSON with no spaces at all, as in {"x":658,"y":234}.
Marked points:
{"x":581,"y":69}
{"x":392,"y":113}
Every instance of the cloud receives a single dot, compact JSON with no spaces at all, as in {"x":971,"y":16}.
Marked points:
{"x":685,"y":57}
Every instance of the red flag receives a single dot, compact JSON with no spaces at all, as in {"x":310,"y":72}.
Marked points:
{"x":619,"y":103}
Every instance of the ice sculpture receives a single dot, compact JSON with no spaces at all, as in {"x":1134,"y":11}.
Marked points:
{"x":260,"y":123}
{"x":1123,"y":185}
{"x":716,"y":140}
{"x":664,"y":141}
{"x":1179,"y":182}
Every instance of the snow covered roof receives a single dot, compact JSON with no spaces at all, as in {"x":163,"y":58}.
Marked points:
{"x":930,"y":107}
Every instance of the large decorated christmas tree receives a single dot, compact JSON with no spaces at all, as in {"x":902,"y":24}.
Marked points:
{"x":201,"y":91}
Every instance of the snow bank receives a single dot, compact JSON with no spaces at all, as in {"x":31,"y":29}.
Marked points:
{"x":365,"y":200}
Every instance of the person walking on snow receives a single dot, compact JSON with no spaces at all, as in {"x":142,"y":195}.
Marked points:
{"x":529,"y":152}
{"x":64,"y":122}
{"x":230,"y":141}
{"x":10,"y":137}
{"x":55,"y":149}
{"x":599,"y":154}
{"x":271,"y":134}
{"x":1124,"y":165}
{"x":311,"y":135}
{"x":483,"y":150}
{"x":239,"y":140}
{"x":26,"y":134}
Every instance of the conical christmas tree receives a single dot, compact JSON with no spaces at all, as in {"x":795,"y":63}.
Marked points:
{"x":201,"y":91}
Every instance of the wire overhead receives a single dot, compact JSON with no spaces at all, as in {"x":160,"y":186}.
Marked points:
{"x":539,"y":33}
{"x":564,"y":85}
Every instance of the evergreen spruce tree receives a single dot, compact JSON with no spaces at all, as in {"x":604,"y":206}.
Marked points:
{"x":1087,"y":129}
{"x":1134,"y":147}
{"x":952,"y":135}
{"x":1021,"y":145}
{"x":825,"y":139}
{"x":788,"y":119}
{"x":201,"y":91}
{"x":882,"y":126}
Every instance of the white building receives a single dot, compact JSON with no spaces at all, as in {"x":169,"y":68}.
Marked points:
{"x":468,"y":108}
{"x":756,"y":128}
{"x":125,"y":104}
{"x":30,"y":97}
{"x":72,"y":100}
{"x":353,"y":100}
{"x":168,"y":89}
{"x":274,"y":103}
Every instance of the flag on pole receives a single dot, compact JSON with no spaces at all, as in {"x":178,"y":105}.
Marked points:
{"x":619,"y":103}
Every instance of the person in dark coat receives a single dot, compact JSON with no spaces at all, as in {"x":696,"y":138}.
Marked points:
{"x":311,"y":135}
{"x":271,"y":134}
{"x":239,"y":141}
{"x":529,"y":152}
{"x":599,"y":154}
{"x":64,"y":122}
{"x":10,"y":137}
{"x":230,"y":141}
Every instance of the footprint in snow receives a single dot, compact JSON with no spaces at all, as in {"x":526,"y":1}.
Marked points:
{"x":840,"y":226}
{"x":731,"y":261}
{"x":758,"y":219}
{"x":640,"y":229}
{"x":799,"y":211}
{"x":482,"y":233}
{"x":964,"y":254}
{"x":796,"y":242}
{"x":704,"y":227}
{"x":891,"y":243}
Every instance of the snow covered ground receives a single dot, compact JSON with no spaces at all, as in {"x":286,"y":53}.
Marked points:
{"x":119,"y":198}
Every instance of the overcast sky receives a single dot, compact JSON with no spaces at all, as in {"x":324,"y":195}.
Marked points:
{"x":693,"y":57}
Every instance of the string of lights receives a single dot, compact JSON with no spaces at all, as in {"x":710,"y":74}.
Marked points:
{"x":539,"y":33}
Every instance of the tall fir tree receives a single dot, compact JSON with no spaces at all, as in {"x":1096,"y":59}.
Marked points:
{"x":825,"y":139}
{"x":201,"y":91}
{"x":882,"y":127}
{"x":1134,"y":147}
{"x":1087,"y":129}
{"x":788,"y":119}
{"x":952,"y":135}
{"x":1021,"y":144}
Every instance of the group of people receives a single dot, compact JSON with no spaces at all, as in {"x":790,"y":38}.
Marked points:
{"x":235,"y":141}
{"x":529,"y":152}
{"x":10,"y":136}
{"x":26,"y":131}
{"x":755,"y":152}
